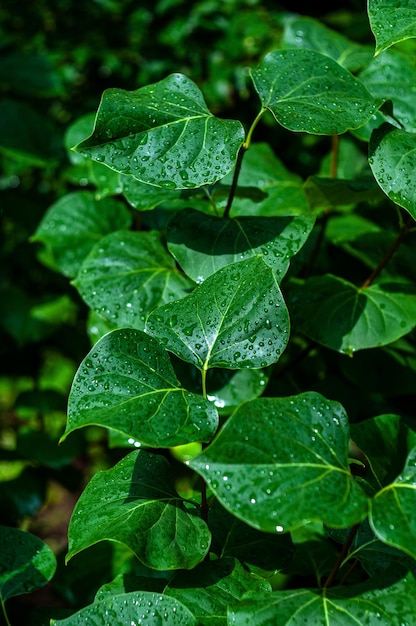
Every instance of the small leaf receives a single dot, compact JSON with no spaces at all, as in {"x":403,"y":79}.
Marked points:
{"x":237,"y":318}
{"x":307,"y":91}
{"x":309,"y":34}
{"x":135,"y":503}
{"x":279,"y":463}
{"x":350,"y":605}
{"x":343,"y":317}
{"x":163,"y":135}
{"x":323,"y":193}
{"x":74,"y":223}
{"x":203,"y":244}
{"x":391,"y":22}
{"x":392,"y":510}
{"x":392,"y":157}
{"x":138,"y":607}
{"x":26,"y":563}
{"x":127,"y":383}
{"x":127,"y":275}
{"x":210,"y":588}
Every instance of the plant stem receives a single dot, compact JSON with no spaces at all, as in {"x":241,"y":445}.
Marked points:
{"x":3,"y":606}
{"x":243,"y":149}
{"x":204,"y":501}
{"x":396,"y":243}
{"x":344,"y":552}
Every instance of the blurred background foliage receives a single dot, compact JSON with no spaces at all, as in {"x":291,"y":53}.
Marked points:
{"x":56,"y":58}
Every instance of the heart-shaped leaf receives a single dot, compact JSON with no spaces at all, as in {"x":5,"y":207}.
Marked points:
{"x":203,"y":244}
{"x":343,"y":317}
{"x":307,"y":91}
{"x":281,"y":462}
{"x":135,"y":503}
{"x":138,"y":607}
{"x":237,"y":318}
{"x":164,"y":135}
{"x":391,"y":22}
{"x":74,"y":224}
{"x":127,"y":383}
{"x":26,"y":563}
{"x":127,"y":275}
{"x":392,"y":510}
{"x":392,"y":157}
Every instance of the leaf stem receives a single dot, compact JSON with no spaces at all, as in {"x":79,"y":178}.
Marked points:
{"x":243,"y":149}
{"x":3,"y":606}
{"x":396,"y":243}
{"x":344,"y":552}
{"x":204,"y":501}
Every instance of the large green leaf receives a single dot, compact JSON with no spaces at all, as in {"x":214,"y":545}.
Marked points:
{"x":392,"y":510}
{"x":309,"y":34}
{"x":127,"y":383}
{"x":237,"y":318}
{"x":210,"y":588}
{"x":392,"y":157}
{"x":164,"y":135}
{"x":203,"y":244}
{"x":308,"y":91}
{"x":347,"y":606}
{"x":262,"y":169}
{"x":341,"y":316}
{"x":135,"y":503}
{"x":74,"y":223}
{"x":279,"y":463}
{"x":138,"y":607}
{"x":391,"y":22}
{"x":26,"y":563}
{"x":127,"y":275}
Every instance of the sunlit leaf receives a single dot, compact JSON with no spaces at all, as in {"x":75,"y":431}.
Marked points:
{"x":278,"y":463}
{"x":203,"y":244}
{"x":135,"y":503}
{"x":237,"y":318}
{"x":127,"y":383}
{"x":307,"y":91}
{"x":164,"y":135}
{"x":391,"y":22}
{"x":127,"y":275}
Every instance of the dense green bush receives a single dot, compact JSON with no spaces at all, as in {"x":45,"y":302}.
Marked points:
{"x":248,"y":288}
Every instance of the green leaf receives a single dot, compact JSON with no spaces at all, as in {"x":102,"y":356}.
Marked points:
{"x":279,"y":463}
{"x":26,"y":563}
{"x":139,"y":607}
{"x":29,"y":74}
{"x":127,"y":275}
{"x":228,"y":388}
{"x":343,"y":317}
{"x":135,"y":503}
{"x":391,"y":22}
{"x":392,"y":510}
{"x":203,"y":244}
{"x":210,"y":588}
{"x":309,"y":34}
{"x":127,"y":383}
{"x":232,"y":537}
{"x":164,"y":135}
{"x":392,"y":157}
{"x":323,"y":193}
{"x":74,"y":223}
{"x":307,"y":91}
{"x":262,"y":169}
{"x":349,"y":605}
{"x":237,"y":318}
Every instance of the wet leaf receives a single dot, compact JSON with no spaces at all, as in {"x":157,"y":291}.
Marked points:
{"x":237,"y":318}
{"x":138,"y":607}
{"x":135,"y":503}
{"x":164,"y":135}
{"x":26,"y":563}
{"x":279,"y":463}
{"x":203,"y":244}
{"x":391,"y":22}
{"x":307,"y":91}
{"x":343,"y":317}
{"x":127,"y":383}
{"x":127,"y":275}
